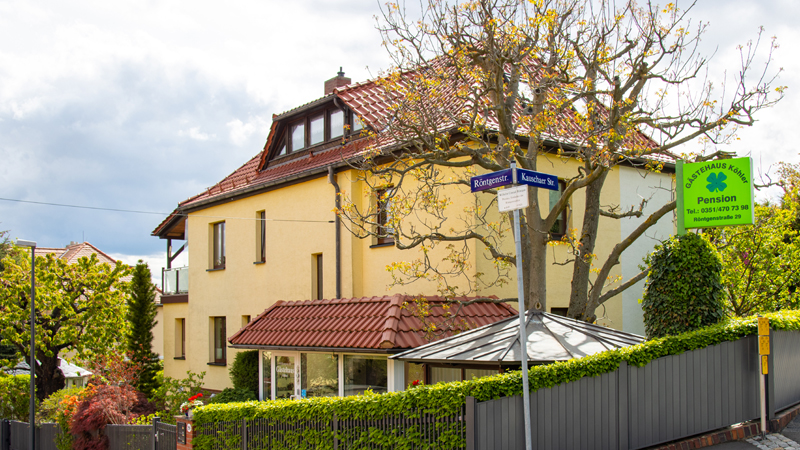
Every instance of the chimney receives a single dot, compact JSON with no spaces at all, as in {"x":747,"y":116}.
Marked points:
{"x":338,"y":81}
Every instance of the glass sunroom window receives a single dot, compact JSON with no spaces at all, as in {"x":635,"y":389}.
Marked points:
{"x":319,"y":374}
{"x":266,"y":375}
{"x":364,"y":372}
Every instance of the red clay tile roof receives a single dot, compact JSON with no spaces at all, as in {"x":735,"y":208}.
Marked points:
{"x":75,"y":250}
{"x":355,"y":323}
{"x":372,"y":103}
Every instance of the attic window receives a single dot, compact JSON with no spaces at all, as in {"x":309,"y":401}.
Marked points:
{"x":316,"y":132}
{"x":297,"y":136}
{"x":337,"y":123}
{"x":318,"y":127}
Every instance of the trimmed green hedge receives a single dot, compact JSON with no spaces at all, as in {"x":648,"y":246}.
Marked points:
{"x":447,"y":399}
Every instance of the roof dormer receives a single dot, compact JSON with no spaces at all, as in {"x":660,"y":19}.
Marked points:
{"x":317,"y":125}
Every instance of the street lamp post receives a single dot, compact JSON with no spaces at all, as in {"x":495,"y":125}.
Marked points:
{"x":32,"y":362}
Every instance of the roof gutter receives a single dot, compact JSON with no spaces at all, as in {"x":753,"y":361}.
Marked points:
{"x":319,"y":349}
{"x":253,"y":190}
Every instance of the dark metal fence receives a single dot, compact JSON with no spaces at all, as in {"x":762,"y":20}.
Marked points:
{"x":165,"y":436}
{"x":425,"y":430}
{"x":16,"y":436}
{"x":130,"y":437}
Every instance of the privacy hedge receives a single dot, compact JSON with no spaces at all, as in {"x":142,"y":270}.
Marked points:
{"x":443,"y":400}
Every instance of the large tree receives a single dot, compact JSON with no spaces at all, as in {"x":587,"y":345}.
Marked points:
{"x":761,"y":263}
{"x":141,"y":318}
{"x":79,"y":307}
{"x":480,"y":84}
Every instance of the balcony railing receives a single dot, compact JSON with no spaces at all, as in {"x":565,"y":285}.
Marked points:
{"x":175,"y":280}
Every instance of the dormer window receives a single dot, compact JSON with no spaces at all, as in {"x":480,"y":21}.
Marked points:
{"x":322,"y":125}
{"x":358,"y":125}
{"x":337,"y":123}
{"x":316,"y":132}
{"x":297,"y":136}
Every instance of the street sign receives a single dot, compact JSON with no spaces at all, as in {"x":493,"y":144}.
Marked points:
{"x":763,"y":326}
{"x":490,"y":180}
{"x":763,"y":345}
{"x":538,"y":179}
{"x":513,"y":198}
{"x":715,"y":193}
{"x":764,"y":365}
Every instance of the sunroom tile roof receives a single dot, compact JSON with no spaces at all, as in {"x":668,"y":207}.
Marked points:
{"x":355,"y":323}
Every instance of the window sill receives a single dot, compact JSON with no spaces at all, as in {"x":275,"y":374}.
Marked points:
{"x":215,"y":270}
{"x":182,"y":358}
{"x":259,"y":262}
{"x":217,"y":364}
{"x":385,"y":244}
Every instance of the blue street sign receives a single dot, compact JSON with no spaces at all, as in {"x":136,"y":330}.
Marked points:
{"x":538,"y":179}
{"x":491,"y":180}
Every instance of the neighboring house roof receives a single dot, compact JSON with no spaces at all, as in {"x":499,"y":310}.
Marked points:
{"x":75,"y":250}
{"x":378,"y":323}
{"x":550,"y":338}
{"x":68,"y":369}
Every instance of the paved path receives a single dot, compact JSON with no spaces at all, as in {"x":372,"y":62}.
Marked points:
{"x":787,"y":439}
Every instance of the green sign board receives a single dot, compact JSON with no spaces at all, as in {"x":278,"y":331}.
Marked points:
{"x":715,"y":193}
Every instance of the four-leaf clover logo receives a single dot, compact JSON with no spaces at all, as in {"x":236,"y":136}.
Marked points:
{"x":716,"y":182}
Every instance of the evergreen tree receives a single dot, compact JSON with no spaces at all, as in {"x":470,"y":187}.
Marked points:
{"x":142,"y":318}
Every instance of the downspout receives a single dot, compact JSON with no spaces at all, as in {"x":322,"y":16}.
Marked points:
{"x":338,"y":227}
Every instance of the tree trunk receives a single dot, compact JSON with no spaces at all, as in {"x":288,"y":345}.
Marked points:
{"x":49,"y":378}
{"x":586,"y":245}
{"x":534,"y":257}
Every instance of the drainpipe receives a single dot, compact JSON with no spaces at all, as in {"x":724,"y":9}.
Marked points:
{"x":338,"y":227}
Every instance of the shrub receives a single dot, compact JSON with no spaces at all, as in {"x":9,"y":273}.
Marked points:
{"x":171,"y":392}
{"x":103,"y":405}
{"x":229,"y":395}
{"x":60,"y":407}
{"x":244,"y":371}
{"x":14,"y":397}
{"x":684,"y":289}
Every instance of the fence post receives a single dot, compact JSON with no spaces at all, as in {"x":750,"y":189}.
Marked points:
{"x":5,"y":435}
{"x":622,"y":405}
{"x":244,"y":434}
{"x":335,"y":432}
{"x":156,"y":419}
{"x":469,"y":417}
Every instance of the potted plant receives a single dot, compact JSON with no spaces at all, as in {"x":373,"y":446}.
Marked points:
{"x":188,"y":405}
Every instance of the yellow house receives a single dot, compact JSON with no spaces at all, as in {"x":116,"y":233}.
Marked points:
{"x":268,"y":232}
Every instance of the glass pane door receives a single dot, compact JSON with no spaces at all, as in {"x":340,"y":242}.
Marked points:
{"x":285,"y":376}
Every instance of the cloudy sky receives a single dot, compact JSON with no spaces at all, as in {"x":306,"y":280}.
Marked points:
{"x":137,"y":105}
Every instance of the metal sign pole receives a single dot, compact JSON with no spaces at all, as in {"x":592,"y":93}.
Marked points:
{"x":523,"y":329}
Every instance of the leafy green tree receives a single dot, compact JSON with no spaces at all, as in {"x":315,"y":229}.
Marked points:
{"x":244,"y":371}
{"x":79,"y":307}
{"x":171,"y":392}
{"x":761,"y":263}
{"x":14,"y":397}
{"x":141,"y":317}
{"x":684,"y":290}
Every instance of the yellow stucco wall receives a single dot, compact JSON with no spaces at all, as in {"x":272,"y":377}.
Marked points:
{"x":298,"y":227}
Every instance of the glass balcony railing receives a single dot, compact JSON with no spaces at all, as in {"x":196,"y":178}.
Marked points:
{"x":175,"y":280}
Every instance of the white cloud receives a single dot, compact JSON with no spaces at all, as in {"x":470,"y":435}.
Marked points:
{"x":241,"y":132}
{"x":196,"y":134}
